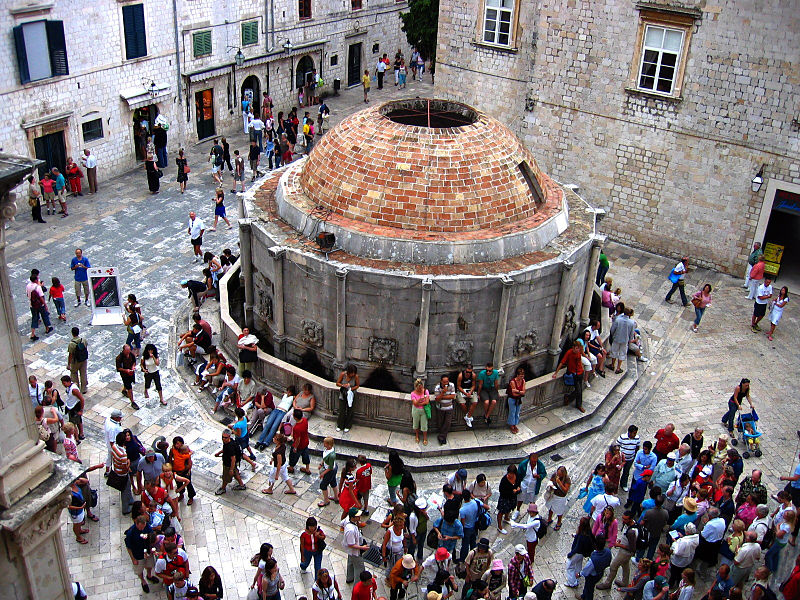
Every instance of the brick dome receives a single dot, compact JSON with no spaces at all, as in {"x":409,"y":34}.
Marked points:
{"x":425,"y":182}
{"x":427,"y":166}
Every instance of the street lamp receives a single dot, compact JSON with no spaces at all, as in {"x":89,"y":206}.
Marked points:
{"x":152,"y":90}
{"x":758,"y":180}
{"x":287,"y":46}
{"x":239,"y":58}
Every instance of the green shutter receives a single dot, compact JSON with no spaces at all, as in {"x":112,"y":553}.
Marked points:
{"x":249,"y":33}
{"x":202,"y":43}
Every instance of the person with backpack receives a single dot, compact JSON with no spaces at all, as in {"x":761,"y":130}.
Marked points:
{"x":77,"y":359}
{"x":535,"y":529}
{"x":626,"y":546}
{"x":216,"y":157}
{"x":468,"y":513}
{"x":231,"y":453}
{"x":35,"y":292}
{"x":595,"y":567}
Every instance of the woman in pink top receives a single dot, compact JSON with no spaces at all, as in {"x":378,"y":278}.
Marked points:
{"x":701,"y":299}
{"x":419,"y":418}
{"x":606,"y":525}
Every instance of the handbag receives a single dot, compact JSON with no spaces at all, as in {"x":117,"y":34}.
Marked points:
{"x":160,"y":173}
{"x":432,"y":539}
{"x":569,"y":379}
{"x":583,"y":493}
{"x":93,"y":499}
{"x":117,"y":481}
{"x":674,"y":277}
{"x":44,"y":432}
{"x":548,"y":492}
{"x":427,"y":409}
{"x":697,"y":302}
{"x":186,"y":169}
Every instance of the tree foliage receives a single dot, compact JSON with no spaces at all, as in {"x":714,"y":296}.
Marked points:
{"x":421,"y":24}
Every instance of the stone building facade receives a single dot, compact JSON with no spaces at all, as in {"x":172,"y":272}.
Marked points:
{"x":661,"y":111}
{"x":95,"y":75}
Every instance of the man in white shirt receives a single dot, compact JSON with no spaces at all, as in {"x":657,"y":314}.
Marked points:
{"x":380,"y":70}
{"x":600,"y":501}
{"x":258,"y":128}
{"x":711,"y":537}
{"x":195,"y":231}
{"x":763,"y":295}
{"x":89,"y":163}
{"x":684,"y":461}
{"x":353,"y":544}
{"x":679,"y":284}
{"x":36,"y":391}
{"x":746,"y":558}
{"x":112,"y":427}
{"x":762,"y":522}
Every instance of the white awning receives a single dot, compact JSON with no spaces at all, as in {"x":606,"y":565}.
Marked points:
{"x":139,"y":96}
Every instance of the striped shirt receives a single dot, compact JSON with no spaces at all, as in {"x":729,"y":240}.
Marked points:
{"x":628,"y":446}
{"x":119,"y":460}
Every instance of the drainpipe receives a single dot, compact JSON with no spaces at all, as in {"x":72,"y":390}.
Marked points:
{"x":502,"y":322}
{"x":341,"y":318}
{"x":422,"y":334}
{"x":272,"y":24}
{"x":177,"y":54}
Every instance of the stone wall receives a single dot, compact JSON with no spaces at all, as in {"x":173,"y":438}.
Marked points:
{"x":99,"y":71}
{"x":667,"y":171}
{"x":378,"y":408}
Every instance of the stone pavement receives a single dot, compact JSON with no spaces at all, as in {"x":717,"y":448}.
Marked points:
{"x":687,"y":382}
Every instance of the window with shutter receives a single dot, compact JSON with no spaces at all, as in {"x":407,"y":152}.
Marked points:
{"x":249,"y":33}
{"x":135,"y":32}
{"x":201,"y":42}
{"x":41,"y":50}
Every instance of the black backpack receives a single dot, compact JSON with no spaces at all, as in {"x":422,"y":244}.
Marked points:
{"x":484,"y":519}
{"x":542,"y":531}
{"x":642,"y":538}
{"x":81,"y":353}
{"x":768,"y":593}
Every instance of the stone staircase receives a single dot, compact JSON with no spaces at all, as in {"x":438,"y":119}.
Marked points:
{"x":544,"y":433}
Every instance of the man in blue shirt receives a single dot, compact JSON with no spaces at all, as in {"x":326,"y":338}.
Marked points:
{"x":61,"y":191}
{"x":468,"y":513}
{"x":449,"y":531}
{"x":79,"y":266}
{"x":137,"y":542}
{"x":594,"y":569}
{"x":645,"y":459}
{"x":487,"y":390}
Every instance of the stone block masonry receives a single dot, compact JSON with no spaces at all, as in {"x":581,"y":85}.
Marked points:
{"x":667,"y":170}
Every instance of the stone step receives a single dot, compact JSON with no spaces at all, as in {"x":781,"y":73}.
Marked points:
{"x":543,"y":433}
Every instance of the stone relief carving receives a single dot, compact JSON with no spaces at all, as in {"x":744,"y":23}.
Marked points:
{"x":525,"y":343}
{"x":569,"y":320}
{"x":311,"y":332}
{"x":459,"y":353}
{"x":39,"y":527}
{"x":382,"y":350}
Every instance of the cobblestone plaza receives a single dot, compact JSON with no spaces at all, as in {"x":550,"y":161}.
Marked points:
{"x":687,"y":382}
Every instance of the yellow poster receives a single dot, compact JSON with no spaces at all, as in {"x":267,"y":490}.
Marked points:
{"x":773,"y":253}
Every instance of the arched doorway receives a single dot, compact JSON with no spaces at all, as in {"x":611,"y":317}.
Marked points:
{"x":251,"y":89}
{"x":305,"y":69}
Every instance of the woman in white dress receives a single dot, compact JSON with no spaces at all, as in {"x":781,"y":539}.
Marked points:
{"x":777,"y":310}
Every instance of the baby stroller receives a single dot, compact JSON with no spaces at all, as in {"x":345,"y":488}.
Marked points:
{"x":747,"y":426}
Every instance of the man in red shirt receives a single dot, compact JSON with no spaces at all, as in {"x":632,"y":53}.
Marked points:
{"x":300,"y":443}
{"x":366,"y":587}
{"x":790,"y":588}
{"x":572,"y":360}
{"x":363,"y":481}
{"x":666,"y":441}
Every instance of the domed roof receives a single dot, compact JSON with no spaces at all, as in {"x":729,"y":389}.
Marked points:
{"x":428,"y":167}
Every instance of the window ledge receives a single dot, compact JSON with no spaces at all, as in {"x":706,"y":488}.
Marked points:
{"x":637,"y":92}
{"x":688,"y":11}
{"x":137,"y":59}
{"x":496,"y":47}
{"x":31,"y":8}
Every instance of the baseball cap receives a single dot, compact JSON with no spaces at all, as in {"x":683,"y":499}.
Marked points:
{"x":442,"y":553}
{"x":483,"y":543}
{"x":354,"y":512}
{"x":673,"y":456}
{"x":520,"y":549}
{"x":421,"y":503}
{"x":116,"y":414}
{"x":462,"y":473}
{"x":647,"y":473}
{"x":184,"y":281}
{"x":150,"y":453}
